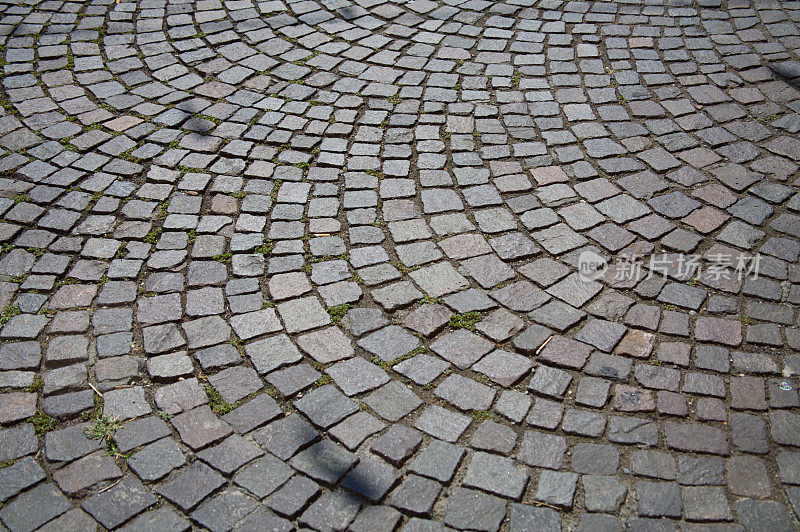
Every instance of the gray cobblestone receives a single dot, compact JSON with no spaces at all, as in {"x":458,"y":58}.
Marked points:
{"x":375,"y":217}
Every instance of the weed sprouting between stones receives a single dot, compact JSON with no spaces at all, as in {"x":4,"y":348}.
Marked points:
{"x":104,"y":428}
{"x":42,"y":423}
{"x":466,"y":320}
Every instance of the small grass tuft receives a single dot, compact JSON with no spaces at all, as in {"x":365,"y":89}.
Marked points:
{"x":224,"y":258}
{"x":96,"y":412}
{"x":515,"y":78}
{"x":402,"y":267}
{"x":153,"y":236}
{"x":103,"y":428}
{"x":483,"y":379}
{"x":218,"y":405}
{"x":265,"y":248}
{"x":36,"y":386}
{"x":389,"y":364}
{"x":322,"y":381}
{"x":378,"y":361}
{"x":466,"y":320}
{"x":42,"y":423}
{"x":481,"y":415}
{"x":338,"y":312}
{"x":9,"y":312}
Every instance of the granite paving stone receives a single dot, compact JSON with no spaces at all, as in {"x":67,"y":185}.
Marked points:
{"x":325,"y":406}
{"x":556,"y":488}
{"x":139,"y":432}
{"x":397,"y":444}
{"x":473,"y":510}
{"x":545,"y":413}
{"x":85,"y":473}
{"x":658,"y":499}
{"x":428,"y":319}
{"x":442,"y":423}
{"x":34,"y":507}
{"x":224,"y":510}
{"x":199,"y":427}
{"x":371,"y":478}
{"x":180,"y":396}
{"x":234,"y":384}
{"x":156,"y":460}
{"x":355,"y":429}
{"x":162,"y":517}
{"x":263,"y":476}
{"x":272,"y":353}
{"x":327,"y":345}
{"x":389,"y":343}
{"x":603,"y":493}
{"x":332,"y":511}
{"x":465,"y":393}
{"x":324,"y":461}
{"x":119,"y":503}
{"x":373,"y":517}
{"x":293,"y":496}
{"x":496,"y":475}
{"x":357,"y":375}
{"x":72,"y":519}
{"x":355,"y":238}
{"x":415,"y":495}
{"x":294,"y":379}
{"x":231,"y":454}
{"x":19,"y":476}
{"x":528,"y":517}
{"x":747,"y":476}
{"x":696,"y":437}
{"x":191,"y":486}
{"x":539,"y":449}
{"x":393,"y":401}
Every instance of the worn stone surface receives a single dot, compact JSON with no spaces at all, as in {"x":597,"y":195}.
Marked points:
{"x":371,"y":479}
{"x":120,"y":502}
{"x":324,"y":461}
{"x":470,"y":509}
{"x":412,"y":265}
{"x":34,"y":507}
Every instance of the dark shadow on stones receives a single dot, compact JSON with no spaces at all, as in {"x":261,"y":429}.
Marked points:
{"x":349,"y":12}
{"x":355,"y":480}
{"x":788,"y":71}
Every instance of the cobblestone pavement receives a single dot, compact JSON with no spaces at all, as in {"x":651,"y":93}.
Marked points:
{"x":314,"y":264}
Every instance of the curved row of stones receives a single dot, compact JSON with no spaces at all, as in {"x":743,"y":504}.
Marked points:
{"x":314,"y":264}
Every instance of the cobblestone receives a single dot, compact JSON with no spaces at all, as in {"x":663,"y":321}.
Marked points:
{"x":324,"y":265}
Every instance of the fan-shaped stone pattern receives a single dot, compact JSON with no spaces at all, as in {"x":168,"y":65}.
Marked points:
{"x":339,"y":251}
